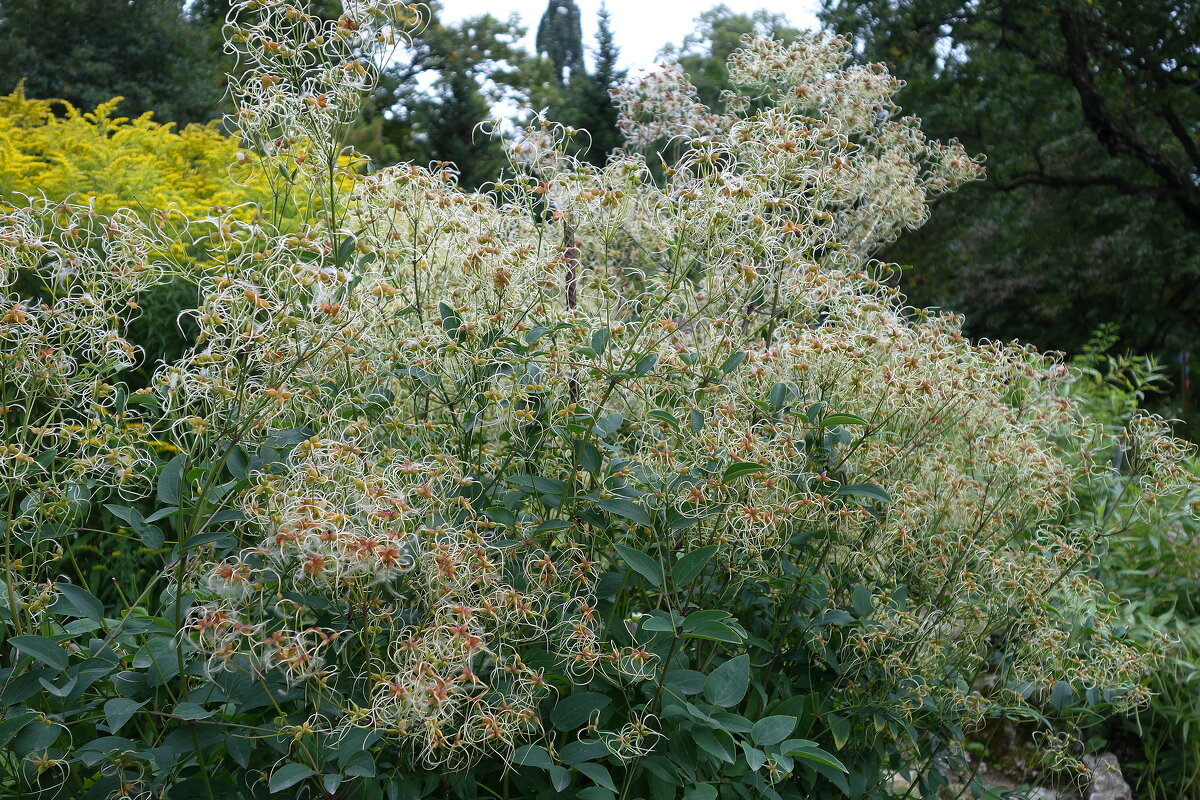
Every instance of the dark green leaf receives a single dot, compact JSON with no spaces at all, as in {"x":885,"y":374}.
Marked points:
{"x":772,"y":730}
{"x":728,"y":683}
{"x":533,"y":334}
{"x":203,"y":539}
{"x":591,"y":459}
{"x":595,"y":793}
{"x":645,"y":365}
{"x":237,"y":462}
{"x":840,"y":728}
{"x":578,"y":751}
{"x":170,"y":480}
{"x":715,"y":631}
{"x":41,"y":648}
{"x":609,"y":423}
{"x":360,"y":765}
{"x":666,"y":418}
{"x":13,"y":723}
{"x":802,"y":748}
{"x":76,"y":601}
{"x":656,"y":624}
{"x":163,"y":513}
{"x":598,"y":773}
{"x":600,"y":341}
{"x":862,"y":601}
{"x":684,"y":681}
{"x":641,"y":563}
{"x":836,"y":617}
{"x":755,"y":758}
{"x":1061,"y":695}
{"x":574,"y":710}
{"x":624,"y":507}
{"x":740,"y":468}
{"x":532,"y":755}
{"x":733,"y":362}
{"x":867,"y":491}
{"x":192,"y":711}
{"x":711,"y":743}
{"x":843,"y":419}
{"x":127,"y":515}
{"x":451,"y":322}
{"x":288,"y":776}
{"x":119,"y":710}
{"x":692,"y":564}
{"x":780,"y":394}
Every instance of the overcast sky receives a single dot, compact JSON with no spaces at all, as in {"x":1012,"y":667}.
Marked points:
{"x":640,"y":27}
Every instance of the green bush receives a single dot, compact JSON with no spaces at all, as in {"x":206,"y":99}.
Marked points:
{"x":1155,"y":568}
{"x":587,"y":485}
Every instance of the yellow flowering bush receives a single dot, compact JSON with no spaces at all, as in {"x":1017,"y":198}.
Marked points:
{"x":497,"y":493}
{"x":109,"y":162}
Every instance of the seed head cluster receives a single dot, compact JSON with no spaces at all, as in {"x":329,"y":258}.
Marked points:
{"x":452,"y":406}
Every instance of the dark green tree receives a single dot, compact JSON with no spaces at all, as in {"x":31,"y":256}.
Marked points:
{"x":151,"y":52}
{"x":587,"y":101}
{"x":475,"y":63}
{"x":719,"y":31}
{"x":1089,"y":113}
{"x":560,"y":38}
{"x":600,"y":119}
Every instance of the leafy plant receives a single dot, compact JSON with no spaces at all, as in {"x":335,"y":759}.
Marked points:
{"x":584,"y":485}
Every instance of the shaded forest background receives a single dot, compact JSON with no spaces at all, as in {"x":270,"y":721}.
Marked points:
{"x":1087,"y":111}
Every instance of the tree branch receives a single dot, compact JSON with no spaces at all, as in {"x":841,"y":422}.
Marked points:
{"x":1118,"y":138}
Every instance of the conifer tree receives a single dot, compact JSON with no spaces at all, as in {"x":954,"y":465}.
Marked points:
{"x":560,"y":37}
{"x":593,"y":104}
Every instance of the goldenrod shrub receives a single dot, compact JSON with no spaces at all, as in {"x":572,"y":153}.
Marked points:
{"x":108,"y":161}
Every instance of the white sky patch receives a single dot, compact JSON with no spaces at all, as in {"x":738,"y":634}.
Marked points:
{"x":640,"y":27}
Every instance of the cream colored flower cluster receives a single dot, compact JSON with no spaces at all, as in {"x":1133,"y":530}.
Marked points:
{"x":300,"y":79}
{"x":70,"y":281}
{"x":461,"y":404}
{"x":482,"y":371}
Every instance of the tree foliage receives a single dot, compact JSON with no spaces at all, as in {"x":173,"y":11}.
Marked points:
{"x":560,"y":38}
{"x":586,"y":101}
{"x":1088,"y":114}
{"x":150,"y":52}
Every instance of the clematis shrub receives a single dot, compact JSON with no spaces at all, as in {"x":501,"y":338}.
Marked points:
{"x":636,"y":482}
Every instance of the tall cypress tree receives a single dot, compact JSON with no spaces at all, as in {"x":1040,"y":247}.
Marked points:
{"x":560,"y":38}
